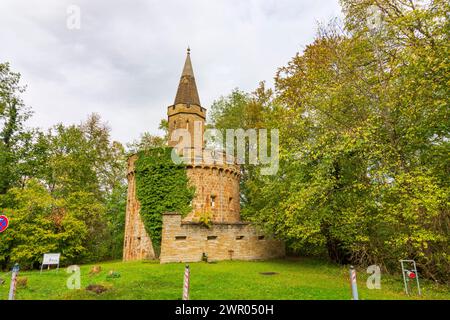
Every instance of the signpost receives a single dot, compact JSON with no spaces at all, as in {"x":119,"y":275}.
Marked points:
{"x":12,"y":287}
{"x":4,"y":222}
{"x":51,"y":259}
{"x":353,"y":283}
{"x":410,"y":275}
{"x":186,"y":283}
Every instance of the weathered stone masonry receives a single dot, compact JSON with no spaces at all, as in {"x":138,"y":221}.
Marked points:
{"x":216,"y":180}
{"x":185,"y":241}
{"x":137,"y":243}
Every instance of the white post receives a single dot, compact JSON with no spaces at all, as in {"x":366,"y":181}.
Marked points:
{"x":405,"y":281}
{"x":12,"y":287}
{"x":417,"y":278}
{"x":353,"y":283}
{"x":186,"y":283}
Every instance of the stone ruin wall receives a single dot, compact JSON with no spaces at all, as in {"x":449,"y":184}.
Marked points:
{"x":217,"y":192}
{"x":137,"y":243}
{"x":184,"y":241}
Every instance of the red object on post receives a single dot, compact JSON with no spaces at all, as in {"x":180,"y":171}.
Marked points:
{"x":3,"y":223}
{"x":411,"y":274}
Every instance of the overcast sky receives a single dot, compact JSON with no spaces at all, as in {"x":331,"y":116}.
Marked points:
{"x":126,"y":59}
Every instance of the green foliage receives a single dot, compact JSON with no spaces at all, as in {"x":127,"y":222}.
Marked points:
{"x":116,"y":204}
{"x":149,"y":141}
{"x":225,"y":112}
{"x":86,"y":208}
{"x":240,"y":110}
{"x":6,"y":159}
{"x":70,"y":210}
{"x":161,"y":186}
{"x":13,"y":114}
{"x":364,"y":143}
{"x":75,"y":226}
{"x":82,"y":158}
{"x":364,"y":140}
{"x":40,"y":224}
{"x":205,"y":218}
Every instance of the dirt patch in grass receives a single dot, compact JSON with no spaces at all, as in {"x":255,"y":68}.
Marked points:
{"x":97,"y":288}
{"x":269,"y":273}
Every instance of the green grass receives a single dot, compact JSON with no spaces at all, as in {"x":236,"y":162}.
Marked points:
{"x":296,"y":279}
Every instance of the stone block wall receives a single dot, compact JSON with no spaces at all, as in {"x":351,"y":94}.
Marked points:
{"x":217,"y":192}
{"x":190,"y":118}
{"x":186,"y":241}
{"x":137,"y":243}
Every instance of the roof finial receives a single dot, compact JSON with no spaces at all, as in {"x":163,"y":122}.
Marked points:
{"x":187,"y":89}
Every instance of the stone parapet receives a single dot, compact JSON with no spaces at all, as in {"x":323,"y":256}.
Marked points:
{"x":184,"y":241}
{"x":187,"y":109}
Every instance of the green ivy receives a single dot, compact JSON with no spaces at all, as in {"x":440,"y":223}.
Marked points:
{"x":161,"y":186}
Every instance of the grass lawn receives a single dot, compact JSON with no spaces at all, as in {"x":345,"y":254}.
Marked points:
{"x":295,"y":279}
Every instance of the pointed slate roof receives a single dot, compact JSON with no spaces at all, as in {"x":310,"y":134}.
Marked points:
{"x":187,"y":89}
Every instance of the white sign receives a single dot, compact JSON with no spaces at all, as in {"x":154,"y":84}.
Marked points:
{"x":51,"y":258}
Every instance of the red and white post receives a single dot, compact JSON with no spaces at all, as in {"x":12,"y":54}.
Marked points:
{"x":353,"y":283}
{"x":187,"y":275}
{"x":12,"y":287}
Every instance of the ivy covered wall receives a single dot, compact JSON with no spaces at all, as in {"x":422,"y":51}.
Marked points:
{"x":161,"y":186}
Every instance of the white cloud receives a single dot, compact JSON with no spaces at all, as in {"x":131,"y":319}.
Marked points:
{"x":126,"y":59}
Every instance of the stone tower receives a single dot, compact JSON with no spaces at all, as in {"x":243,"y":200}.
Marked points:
{"x":215,"y":176}
{"x":186,"y":111}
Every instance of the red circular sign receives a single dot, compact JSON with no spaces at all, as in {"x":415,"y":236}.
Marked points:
{"x":3,"y":223}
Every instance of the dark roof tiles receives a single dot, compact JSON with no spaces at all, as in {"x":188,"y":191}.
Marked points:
{"x":187,"y":89}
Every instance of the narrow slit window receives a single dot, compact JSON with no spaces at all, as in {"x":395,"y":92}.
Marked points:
{"x":213,"y":201}
{"x":211,"y":238}
{"x":239,"y":237}
{"x":180,"y":238}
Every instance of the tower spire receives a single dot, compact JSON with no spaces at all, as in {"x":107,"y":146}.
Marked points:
{"x":187,"y":89}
